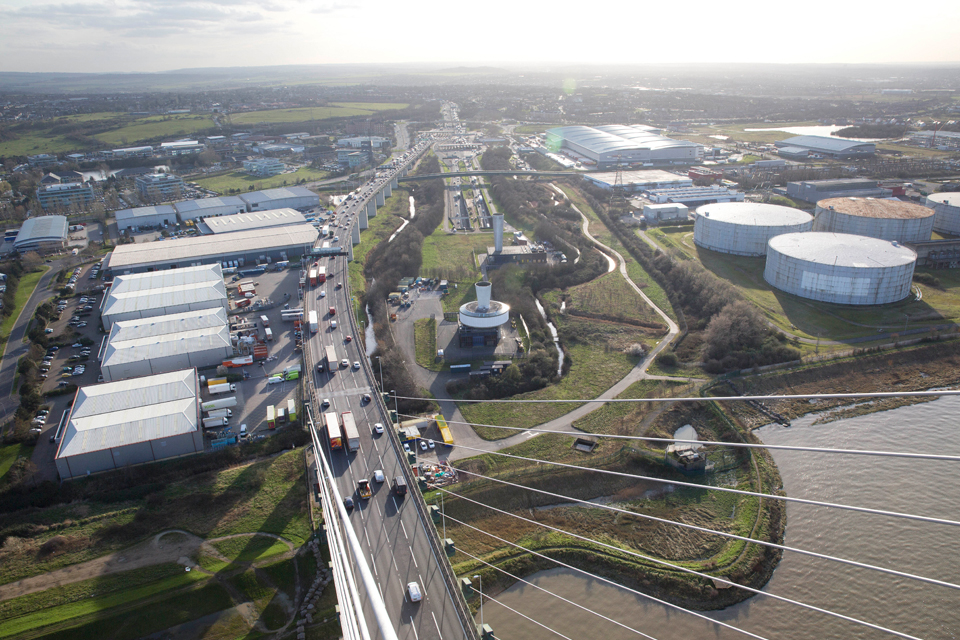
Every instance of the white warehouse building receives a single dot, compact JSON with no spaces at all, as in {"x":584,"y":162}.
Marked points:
{"x":209,"y":207}
{"x":840,"y":268}
{"x":146,"y":217}
{"x":876,"y":218}
{"x":149,"y":346}
{"x":609,"y":145}
{"x":946,"y":208}
{"x":161,"y":293}
{"x":255,"y":220}
{"x":117,"y":424}
{"x":744,"y":228}
{"x":283,"y":198}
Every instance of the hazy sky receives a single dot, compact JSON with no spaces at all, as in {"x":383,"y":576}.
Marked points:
{"x":155,"y":35}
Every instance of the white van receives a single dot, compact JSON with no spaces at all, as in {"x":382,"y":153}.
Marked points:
{"x":243,"y":431}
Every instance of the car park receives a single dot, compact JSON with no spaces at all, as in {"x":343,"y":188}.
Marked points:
{"x":423,"y":445}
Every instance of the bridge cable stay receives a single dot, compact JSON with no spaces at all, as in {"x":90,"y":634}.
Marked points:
{"x":732,"y":536}
{"x":665,"y":563}
{"x":559,"y":597}
{"x":707,"y":487}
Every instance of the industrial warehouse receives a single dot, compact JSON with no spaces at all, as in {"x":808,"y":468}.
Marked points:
{"x":840,"y":268}
{"x":148,"y":346}
{"x":805,"y":147}
{"x":43,"y":233}
{"x":147,"y":295}
{"x":610,"y":145}
{"x":883,"y":219}
{"x":745,"y":228}
{"x":275,"y":244}
{"x":251,"y":221}
{"x":131,"y":422}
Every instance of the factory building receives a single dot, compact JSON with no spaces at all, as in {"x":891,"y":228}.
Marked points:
{"x":669,"y":212}
{"x":611,"y":145}
{"x":264,"y":167}
{"x":64,"y":197}
{"x":636,"y":181}
{"x":817,"y":190}
{"x":285,"y":198}
{"x":694,"y":196}
{"x":247,"y":247}
{"x":480,"y":321}
{"x":45,"y":234}
{"x":145,"y":217}
{"x":499,"y":255}
{"x":745,"y":228}
{"x":840,"y":268}
{"x":946,"y":208}
{"x":118,"y":424}
{"x":149,"y":346}
{"x":251,"y":221}
{"x":161,"y":293}
{"x":883,"y":219}
{"x":804,"y":147}
{"x":209,"y":207}
{"x":159,"y":187}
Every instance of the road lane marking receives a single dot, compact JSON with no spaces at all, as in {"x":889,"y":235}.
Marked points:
{"x":436,"y":624}
{"x":404,"y":530}
{"x":414,"y":558}
{"x":414,"y":627}
{"x":373,"y":561}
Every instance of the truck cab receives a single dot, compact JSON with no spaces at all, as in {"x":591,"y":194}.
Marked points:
{"x":363,"y":489}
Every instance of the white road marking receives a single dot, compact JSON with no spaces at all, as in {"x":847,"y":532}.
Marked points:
{"x":436,"y":624}
{"x":404,"y":530}
{"x":373,"y":561}
{"x":392,"y":557}
{"x":380,"y":513}
{"x":414,"y":627}
{"x":414,"y":558}
{"x":367,"y":536}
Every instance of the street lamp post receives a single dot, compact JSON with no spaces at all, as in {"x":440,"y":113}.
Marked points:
{"x":480,"y":581}
{"x":380,"y":366}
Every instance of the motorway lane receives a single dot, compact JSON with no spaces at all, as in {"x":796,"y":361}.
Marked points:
{"x":390,"y":531}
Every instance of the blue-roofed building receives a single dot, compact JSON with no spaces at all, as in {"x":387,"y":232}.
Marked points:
{"x":803,"y":147}
{"x":627,"y":144}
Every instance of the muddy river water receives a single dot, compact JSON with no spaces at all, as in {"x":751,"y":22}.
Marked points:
{"x":930,"y":488}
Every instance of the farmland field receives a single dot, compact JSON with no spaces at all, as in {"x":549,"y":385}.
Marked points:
{"x":155,"y":127}
{"x":306,"y":114}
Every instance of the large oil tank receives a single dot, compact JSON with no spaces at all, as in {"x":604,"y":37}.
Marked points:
{"x":745,"y":228}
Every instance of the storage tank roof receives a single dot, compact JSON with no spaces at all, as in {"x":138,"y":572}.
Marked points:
{"x":754,"y":214}
{"x":952,"y":199}
{"x":842,"y":249}
{"x":876,"y":208}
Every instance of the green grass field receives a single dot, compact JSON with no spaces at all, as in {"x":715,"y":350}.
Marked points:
{"x":307,"y":114}
{"x":235,"y":181}
{"x":25,"y":289}
{"x":452,"y":256}
{"x":9,"y":454}
{"x":250,"y":548}
{"x":154,"y":127}
{"x":34,"y":142}
{"x":609,"y":295}
{"x":425,"y":340}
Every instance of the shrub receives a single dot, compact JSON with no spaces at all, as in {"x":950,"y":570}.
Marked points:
{"x":668,"y":359}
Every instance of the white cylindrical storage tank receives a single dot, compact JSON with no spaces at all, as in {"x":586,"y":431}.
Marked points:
{"x":745,"y":228}
{"x":946,"y":208}
{"x":840,"y":268}
{"x":875,"y":218}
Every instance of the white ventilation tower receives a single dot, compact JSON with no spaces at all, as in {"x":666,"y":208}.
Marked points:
{"x":484,"y":313}
{"x":497,"y":241}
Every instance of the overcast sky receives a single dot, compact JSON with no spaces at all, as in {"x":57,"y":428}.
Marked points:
{"x":156,"y":35}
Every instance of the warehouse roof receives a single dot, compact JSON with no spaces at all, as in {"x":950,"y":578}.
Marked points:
{"x":616,"y":138}
{"x":842,"y":249}
{"x":147,"y":212}
{"x":255,"y":220}
{"x":163,"y":297}
{"x":209,"y":273}
{"x":952,"y":199}
{"x":641,"y":177}
{"x":825,"y":143}
{"x":131,"y":411}
{"x":42,"y":229}
{"x":211,"y":247}
{"x":754,"y":214}
{"x":205,"y":204}
{"x":256,"y":197}
{"x":876,"y":208}
{"x":174,"y":334}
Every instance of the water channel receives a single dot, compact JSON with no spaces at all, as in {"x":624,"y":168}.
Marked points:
{"x":556,"y":337}
{"x":912,"y":486}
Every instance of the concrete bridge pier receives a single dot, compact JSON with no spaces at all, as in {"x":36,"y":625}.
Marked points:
{"x":394,"y":184}
{"x":362,"y":218}
{"x":380,"y":199}
{"x":356,"y":234}
{"x":387,"y":190}
{"x":371,"y":209}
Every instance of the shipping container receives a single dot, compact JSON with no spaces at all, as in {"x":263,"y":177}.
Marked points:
{"x":350,"y":431}
{"x":271,"y":417}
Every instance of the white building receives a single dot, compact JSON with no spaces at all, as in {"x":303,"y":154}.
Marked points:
{"x":161,"y":293}
{"x":264,"y":167}
{"x":374,"y":142}
{"x":42,"y":233}
{"x":610,"y":145}
{"x":131,"y":422}
{"x":142,"y":217}
{"x":209,"y":207}
{"x":256,"y":220}
{"x":286,"y":197}
{"x":159,"y":187}
{"x":149,"y":346}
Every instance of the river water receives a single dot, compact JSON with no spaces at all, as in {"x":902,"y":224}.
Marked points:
{"x":556,"y":337}
{"x":919,"y":487}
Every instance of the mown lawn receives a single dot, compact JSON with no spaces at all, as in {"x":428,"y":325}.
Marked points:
{"x":453,"y":256}
{"x":250,"y":548}
{"x":9,"y":454}
{"x":239,"y":181}
{"x":425,"y":340}
{"x":155,"y":127}
{"x":25,"y":289}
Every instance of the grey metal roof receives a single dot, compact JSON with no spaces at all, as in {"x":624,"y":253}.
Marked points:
{"x":616,"y":138}
{"x":174,"y":323}
{"x":210,"y":247}
{"x":131,"y":411}
{"x":146,"y":212}
{"x":255,"y":220}
{"x":754,"y":214}
{"x":203,"y":204}
{"x":42,"y":229}
{"x":842,"y":249}
{"x":831,"y":144}
{"x":174,"y":334}
{"x":204,"y":273}
{"x":159,"y":289}
{"x":276,"y":194}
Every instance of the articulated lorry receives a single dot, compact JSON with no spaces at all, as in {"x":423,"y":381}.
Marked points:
{"x":222,"y":388}
{"x":350,"y":432}
{"x":219,"y":403}
{"x":213,"y":423}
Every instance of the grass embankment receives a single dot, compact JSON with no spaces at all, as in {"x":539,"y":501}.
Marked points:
{"x":9,"y":454}
{"x":25,"y":288}
{"x":726,"y":512}
{"x":636,"y":272}
{"x":810,"y":319}
{"x":388,"y":219}
{"x":623,"y":418}
{"x":250,"y":548}
{"x":240,"y":181}
{"x":308,"y":114}
{"x":608,"y":297}
{"x":425,"y":340}
{"x":453,"y":256}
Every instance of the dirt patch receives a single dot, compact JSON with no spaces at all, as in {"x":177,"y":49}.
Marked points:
{"x":157,"y":550}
